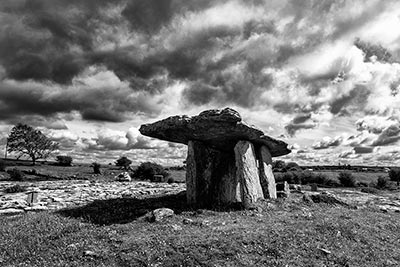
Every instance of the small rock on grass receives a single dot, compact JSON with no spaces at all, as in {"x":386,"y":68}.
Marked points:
{"x":90,"y":253}
{"x":325,"y":251}
{"x":158,"y":215}
{"x":187,"y":221}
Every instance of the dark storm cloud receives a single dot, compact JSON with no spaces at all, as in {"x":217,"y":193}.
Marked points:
{"x":363,"y":149}
{"x":358,"y":97}
{"x":40,"y":46}
{"x":301,"y":118}
{"x":302,"y":121}
{"x":49,"y":122}
{"x":106,"y":104}
{"x":370,"y":49}
{"x":388,"y":136}
{"x":220,"y":59}
{"x":36,"y":39}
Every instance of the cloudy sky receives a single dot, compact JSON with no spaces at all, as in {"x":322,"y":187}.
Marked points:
{"x":322,"y":75}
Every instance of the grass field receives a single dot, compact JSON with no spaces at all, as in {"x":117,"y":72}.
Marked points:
{"x":366,"y":177}
{"x":282,"y":233}
{"x":278,"y":233}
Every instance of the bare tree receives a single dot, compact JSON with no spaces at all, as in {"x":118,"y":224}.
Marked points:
{"x":25,"y":140}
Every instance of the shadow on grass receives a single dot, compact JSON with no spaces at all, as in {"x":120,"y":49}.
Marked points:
{"x":125,"y":210}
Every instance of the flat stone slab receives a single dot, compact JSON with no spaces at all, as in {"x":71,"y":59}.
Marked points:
{"x":219,"y":129}
{"x":54,"y":195}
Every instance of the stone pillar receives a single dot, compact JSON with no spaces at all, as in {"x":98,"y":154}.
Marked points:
{"x":267,"y":178}
{"x":247,"y":173}
{"x":210,"y":177}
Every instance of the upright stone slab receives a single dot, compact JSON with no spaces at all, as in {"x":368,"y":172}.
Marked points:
{"x":247,"y":173}
{"x":210,"y":177}
{"x":267,"y":178}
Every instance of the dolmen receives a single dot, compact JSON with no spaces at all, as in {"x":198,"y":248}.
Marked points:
{"x":229,"y":162}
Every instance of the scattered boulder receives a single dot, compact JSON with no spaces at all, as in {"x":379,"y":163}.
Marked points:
{"x":159,"y":215}
{"x":283,"y":190}
{"x":158,"y":178}
{"x":314,"y":187}
{"x":295,"y":187}
{"x":123,"y":177}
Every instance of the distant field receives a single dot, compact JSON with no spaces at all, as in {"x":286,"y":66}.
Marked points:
{"x":365,"y":177}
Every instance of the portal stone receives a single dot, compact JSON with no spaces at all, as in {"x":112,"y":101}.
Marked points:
{"x":247,"y":173}
{"x":267,"y":178}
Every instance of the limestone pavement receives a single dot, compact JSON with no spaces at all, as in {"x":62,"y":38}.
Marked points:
{"x":53,"y":195}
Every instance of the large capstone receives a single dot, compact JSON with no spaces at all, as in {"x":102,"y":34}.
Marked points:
{"x":228,"y":161}
{"x":219,"y":129}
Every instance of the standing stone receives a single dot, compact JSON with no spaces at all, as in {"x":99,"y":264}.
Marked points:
{"x":210,"y":177}
{"x":267,"y":178}
{"x":314,"y":187}
{"x":247,"y":173}
{"x":283,"y":190}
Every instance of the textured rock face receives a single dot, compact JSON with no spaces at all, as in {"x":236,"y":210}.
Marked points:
{"x":219,"y":129}
{"x":267,"y":178}
{"x":210,"y":177}
{"x":247,"y":173}
{"x":228,"y":161}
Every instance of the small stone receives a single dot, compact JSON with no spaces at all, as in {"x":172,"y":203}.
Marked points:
{"x":205,"y":223}
{"x":123,"y":177}
{"x":187,"y":221}
{"x":283,"y":186}
{"x":325,"y":251}
{"x":159,"y":215}
{"x":176,"y":227}
{"x":314,"y":187}
{"x":73,"y":246}
{"x":307,"y":198}
{"x":90,"y":253}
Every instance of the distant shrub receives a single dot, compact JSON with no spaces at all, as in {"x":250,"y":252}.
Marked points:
{"x":96,"y":167}
{"x":171,"y":180}
{"x":147,"y":170}
{"x":123,"y":162}
{"x":16,"y":174}
{"x":3,"y":165}
{"x":64,"y":160}
{"x":293,"y":165}
{"x":305,"y":177}
{"x":369,"y":190}
{"x":382,"y":182}
{"x":394,"y":175}
{"x":15,"y":189}
{"x":347,"y":179}
{"x":362,"y":184}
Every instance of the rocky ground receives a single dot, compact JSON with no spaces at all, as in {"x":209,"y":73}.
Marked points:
{"x":53,"y":195}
